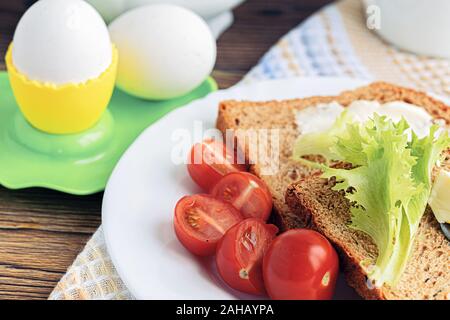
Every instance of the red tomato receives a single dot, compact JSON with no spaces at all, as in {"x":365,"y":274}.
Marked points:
{"x":300,"y":265}
{"x":209,"y":161}
{"x":245,"y":192}
{"x":240,"y":253}
{"x":200,"y":222}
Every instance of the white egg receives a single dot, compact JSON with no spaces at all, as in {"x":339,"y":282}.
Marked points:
{"x":61,"y":41}
{"x":165,"y":51}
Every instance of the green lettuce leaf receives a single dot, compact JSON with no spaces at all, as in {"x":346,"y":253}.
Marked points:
{"x":390,"y":183}
{"x":320,"y":143}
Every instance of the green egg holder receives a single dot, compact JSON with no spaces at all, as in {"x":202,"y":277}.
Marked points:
{"x":81,"y":163}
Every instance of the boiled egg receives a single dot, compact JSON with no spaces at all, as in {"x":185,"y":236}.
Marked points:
{"x":62,"y":66}
{"x":165,"y":51}
{"x":61,"y":42}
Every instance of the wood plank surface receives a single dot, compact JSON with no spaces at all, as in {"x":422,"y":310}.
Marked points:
{"x":42,"y":231}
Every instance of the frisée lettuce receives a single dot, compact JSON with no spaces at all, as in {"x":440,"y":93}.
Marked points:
{"x":389,"y":184}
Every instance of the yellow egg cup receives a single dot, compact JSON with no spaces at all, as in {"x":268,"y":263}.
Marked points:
{"x":70,"y":137}
{"x":62,"y":109}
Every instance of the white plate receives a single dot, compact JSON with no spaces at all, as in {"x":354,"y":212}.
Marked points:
{"x":145,"y":186}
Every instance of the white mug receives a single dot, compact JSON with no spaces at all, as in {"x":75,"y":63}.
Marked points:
{"x":419,"y":26}
{"x":110,"y":9}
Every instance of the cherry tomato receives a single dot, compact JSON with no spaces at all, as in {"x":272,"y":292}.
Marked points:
{"x":240,"y":253}
{"x":245,"y":192}
{"x":300,"y":264}
{"x":209,"y":161}
{"x":200,"y":222}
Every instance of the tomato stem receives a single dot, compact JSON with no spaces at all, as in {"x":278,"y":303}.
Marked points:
{"x":243,"y":274}
{"x":326,"y":279}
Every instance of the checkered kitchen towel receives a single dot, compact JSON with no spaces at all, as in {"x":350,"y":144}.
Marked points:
{"x":333,"y":42}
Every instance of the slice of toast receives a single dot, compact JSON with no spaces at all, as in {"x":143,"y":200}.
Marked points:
{"x":303,"y":199}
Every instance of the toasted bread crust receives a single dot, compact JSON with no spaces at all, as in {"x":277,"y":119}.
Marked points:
{"x":289,"y":211}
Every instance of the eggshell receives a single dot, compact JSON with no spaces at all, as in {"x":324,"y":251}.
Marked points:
{"x":61,"y":42}
{"x":165,"y":51}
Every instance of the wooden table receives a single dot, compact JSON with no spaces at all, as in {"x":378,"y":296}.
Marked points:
{"x":42,"y":231}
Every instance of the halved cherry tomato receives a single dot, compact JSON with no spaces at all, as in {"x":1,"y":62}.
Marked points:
{"x":240,"y":253}
{"x":245,"y":192}
{"x":209,"y":161}
{"x":300,"y":265}
{"x":200,"y":222}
